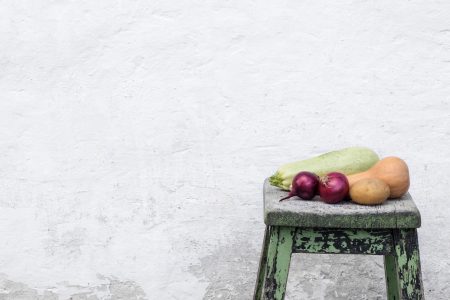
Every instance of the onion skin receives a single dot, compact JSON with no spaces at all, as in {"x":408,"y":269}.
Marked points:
{"x":304,"y":185}
{"x":333,"y":187}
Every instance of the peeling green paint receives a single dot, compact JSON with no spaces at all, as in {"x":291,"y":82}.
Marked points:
{"x":392,"y":284}
{"x":262,"y":266}
{"x":408,"y":263}
{"x":278,"y":259}
{"x":329,"y":240}
{"x":399,"y":247}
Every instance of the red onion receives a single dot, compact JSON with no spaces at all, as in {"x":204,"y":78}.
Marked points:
{"x":333,"y":187}
{"x":304,"y":185}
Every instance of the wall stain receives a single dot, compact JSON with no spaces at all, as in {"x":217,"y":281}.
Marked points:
{"x":112,"y":289}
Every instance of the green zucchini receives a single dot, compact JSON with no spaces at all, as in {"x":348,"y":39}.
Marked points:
{"x":347,"y":161}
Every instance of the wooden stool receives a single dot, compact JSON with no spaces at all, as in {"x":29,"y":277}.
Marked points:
{"x":298,"y":226}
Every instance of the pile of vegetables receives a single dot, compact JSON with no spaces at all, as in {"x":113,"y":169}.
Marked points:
{"x":356,"y":173}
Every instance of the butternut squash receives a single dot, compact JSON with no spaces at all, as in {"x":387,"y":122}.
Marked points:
{"x":392,"y":170}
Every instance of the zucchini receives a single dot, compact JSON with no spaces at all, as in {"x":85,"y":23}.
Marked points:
{"x":347,"y":161}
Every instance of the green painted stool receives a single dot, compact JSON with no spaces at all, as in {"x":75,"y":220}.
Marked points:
{"x":296,"y":226}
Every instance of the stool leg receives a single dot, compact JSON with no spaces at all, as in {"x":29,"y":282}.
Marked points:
{"x":262,"y":266}
{"x":278,"y":260}
{"x":408,"y":264}
{"x":390,"y":270}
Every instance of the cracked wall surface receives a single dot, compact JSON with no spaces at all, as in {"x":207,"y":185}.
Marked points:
{"x":135,"y":137}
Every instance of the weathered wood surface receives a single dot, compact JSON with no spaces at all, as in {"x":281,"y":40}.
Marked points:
{"x":399,"y":246}
{"x":278,"y":260}
{"x":391,"y":276}
{"x":343,"y":241}
{"x":394,"y":213}
{"x":262,"y":266}
{"x":408,"y":264}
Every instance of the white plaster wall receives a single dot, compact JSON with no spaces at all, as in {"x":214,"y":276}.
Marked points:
{"x":135,"y":137}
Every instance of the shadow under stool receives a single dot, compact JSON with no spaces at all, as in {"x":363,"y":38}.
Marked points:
{"x":299,"y":226}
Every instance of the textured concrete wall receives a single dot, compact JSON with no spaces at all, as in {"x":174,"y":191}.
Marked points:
{"x":135,"y":137}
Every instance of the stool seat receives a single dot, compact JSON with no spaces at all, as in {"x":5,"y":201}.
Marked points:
{"x":394,"y":213}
